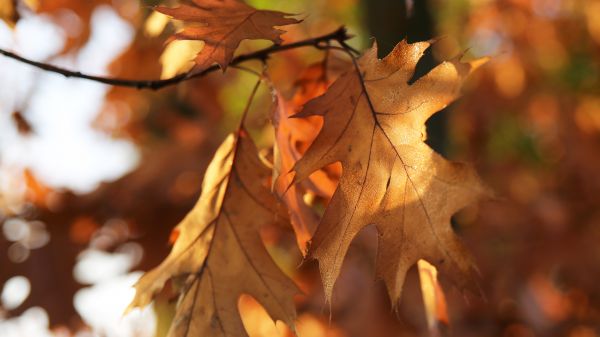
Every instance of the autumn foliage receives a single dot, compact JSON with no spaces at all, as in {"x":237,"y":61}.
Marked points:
{"x":320,"y":154}
{"x":373,"y":125}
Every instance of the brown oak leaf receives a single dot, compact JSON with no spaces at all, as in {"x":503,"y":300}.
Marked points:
{"x":374,"y":125}
{"x":219,"y":254}
{"x":222,"y":25}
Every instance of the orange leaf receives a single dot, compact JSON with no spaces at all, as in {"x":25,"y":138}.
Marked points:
{"x":222,"y":25}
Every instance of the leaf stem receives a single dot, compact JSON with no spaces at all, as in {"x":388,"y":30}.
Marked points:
{"x":340,"y":35}
{"x":250,"y":99}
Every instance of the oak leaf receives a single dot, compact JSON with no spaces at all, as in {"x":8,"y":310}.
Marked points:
{"x":222,"y":25}
{"x":292,"y":137}
{"x":218,"y":253}
{"x":374,"y":125}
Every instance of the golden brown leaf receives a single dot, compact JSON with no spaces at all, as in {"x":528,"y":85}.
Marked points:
{"x":222,"y":25}
{"x":374,"y":125}
{"x":219,"y":252}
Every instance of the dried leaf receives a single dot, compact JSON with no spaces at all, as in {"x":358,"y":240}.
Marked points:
{"x":374,"y":125}
{"x":292,"y":138}
{"x":222,"y":25}
{"x":302,"y":217}
{"x":219,"y":253}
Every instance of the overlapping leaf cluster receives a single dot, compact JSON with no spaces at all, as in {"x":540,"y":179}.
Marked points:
{"x":373,"y":124}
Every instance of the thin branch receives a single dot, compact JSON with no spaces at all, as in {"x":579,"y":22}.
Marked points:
{"x":348,"y":47}
{"x":340,"y":35}
{"x":248,"y":70}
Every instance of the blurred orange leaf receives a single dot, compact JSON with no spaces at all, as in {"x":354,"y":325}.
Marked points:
{"x":8,"y":12}
{"x":292,"y":138}
{"x":436,"y":310}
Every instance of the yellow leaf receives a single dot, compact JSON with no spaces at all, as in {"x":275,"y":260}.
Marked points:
{"x":155,"y":24}
{"x":178,"y":57}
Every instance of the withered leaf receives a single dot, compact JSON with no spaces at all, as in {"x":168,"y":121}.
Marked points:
{"x":222,"y":25}
{"x":292,"y":138}
{"x":374,"y":125}
{"x":302,"y":217}
{"x":219,"y":254}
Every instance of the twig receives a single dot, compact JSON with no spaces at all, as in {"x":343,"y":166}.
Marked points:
{"x":348,"y":47}
{"x":340,"y":35}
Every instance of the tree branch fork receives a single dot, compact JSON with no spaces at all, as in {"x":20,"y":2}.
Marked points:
{"x":321,"y":42}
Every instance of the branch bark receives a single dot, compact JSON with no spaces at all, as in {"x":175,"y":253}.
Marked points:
{"x":340,"y":35}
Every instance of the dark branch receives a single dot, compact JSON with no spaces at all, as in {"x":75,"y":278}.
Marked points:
{"x":340,"y":35}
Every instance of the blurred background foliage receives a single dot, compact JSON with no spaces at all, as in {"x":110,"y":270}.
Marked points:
{"x":529,"y":120}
